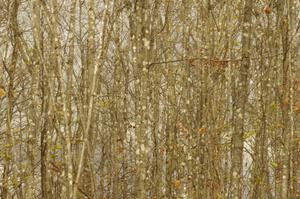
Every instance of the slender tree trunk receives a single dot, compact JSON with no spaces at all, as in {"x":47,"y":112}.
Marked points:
{"x":240,"y":101}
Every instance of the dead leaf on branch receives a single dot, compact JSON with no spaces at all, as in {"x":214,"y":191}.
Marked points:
{"x":285,"y":101}
{"x":177,"y":184}
{"x":202,"y":131}
{"x":2,"y":92}
{"x":267,"y":10}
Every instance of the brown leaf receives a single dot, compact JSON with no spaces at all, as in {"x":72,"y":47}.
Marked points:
{"x":192,"y":62}
{"x":267,"y":9}
{"x":297,"y":85}
{"x":296,"y":108}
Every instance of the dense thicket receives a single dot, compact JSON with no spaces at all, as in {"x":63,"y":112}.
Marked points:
{"x":149,"y":99}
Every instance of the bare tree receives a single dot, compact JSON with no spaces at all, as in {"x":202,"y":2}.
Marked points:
{"x":149,"y":99}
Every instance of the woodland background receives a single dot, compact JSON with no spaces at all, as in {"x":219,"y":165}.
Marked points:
{"x":149,"y":99}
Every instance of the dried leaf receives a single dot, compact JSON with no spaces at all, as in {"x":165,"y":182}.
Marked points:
{"x":296,"y":85}
{"x":192,"y":62}
{"x":2,"y":92}
{"x":296,"y":108}
{"x":285,"y":101}
{"x":202,"y":131}
{"x":177,"y":184}
{"x":267,"y":9}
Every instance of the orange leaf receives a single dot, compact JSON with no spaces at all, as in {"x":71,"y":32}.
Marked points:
{"x":192,"y":62}
{"x":177,"y":184}
{"x":285,"y":101}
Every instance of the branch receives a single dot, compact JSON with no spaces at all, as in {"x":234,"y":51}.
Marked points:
{"x":209,"y":60}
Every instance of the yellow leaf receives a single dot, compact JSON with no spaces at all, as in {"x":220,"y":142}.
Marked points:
{"x":202,"y":130}
{"x":58,"y":147}
{"x":103,"y":104}
{"x":273,"y":105}
{"x":249,"y":134}
{"x":274,"y":165}
{"x":219,"y":196}
{"x":2,"y":92}
{"x":8,"y":145}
